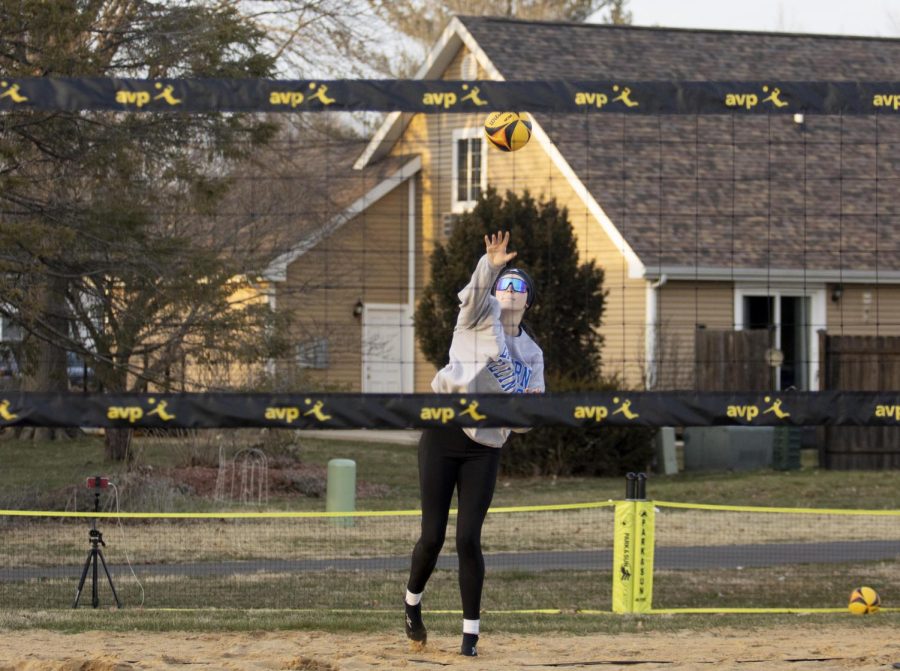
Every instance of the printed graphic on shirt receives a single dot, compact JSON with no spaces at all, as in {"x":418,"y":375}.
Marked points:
{"x":511,"y":374}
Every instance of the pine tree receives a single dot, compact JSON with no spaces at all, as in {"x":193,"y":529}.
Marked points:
{"x":570,"y":297}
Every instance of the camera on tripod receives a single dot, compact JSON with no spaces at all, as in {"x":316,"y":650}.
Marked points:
{"x":95,"y":555}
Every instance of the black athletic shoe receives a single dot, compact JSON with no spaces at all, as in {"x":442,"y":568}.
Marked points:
{"x":415,"y":628}
{"x":469,"y":649}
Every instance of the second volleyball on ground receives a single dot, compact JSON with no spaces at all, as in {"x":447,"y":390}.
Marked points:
{"x":864,"y":600}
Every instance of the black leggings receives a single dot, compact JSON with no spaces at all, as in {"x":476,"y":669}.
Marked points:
{"x":449,"y":459}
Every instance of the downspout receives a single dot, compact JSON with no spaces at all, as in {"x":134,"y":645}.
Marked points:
{"x":651,"y":332}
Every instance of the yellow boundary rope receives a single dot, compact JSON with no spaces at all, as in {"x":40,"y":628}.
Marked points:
{"x":767,"y":509}
{"x":294,"y":514}
{"x":410,"y":513}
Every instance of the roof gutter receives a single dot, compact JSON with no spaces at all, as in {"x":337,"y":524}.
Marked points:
{"x":768,"y":275}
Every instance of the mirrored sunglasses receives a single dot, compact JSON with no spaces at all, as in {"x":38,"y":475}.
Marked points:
{"x":518,"y":285}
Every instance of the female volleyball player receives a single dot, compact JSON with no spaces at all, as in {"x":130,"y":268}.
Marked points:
{"x":489,"y":353}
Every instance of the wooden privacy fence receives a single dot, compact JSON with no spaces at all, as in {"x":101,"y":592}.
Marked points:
{"x":859,"y":363}
{"x":733,"y":360}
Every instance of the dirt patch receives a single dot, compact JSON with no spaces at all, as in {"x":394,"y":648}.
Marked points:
{"x":293,"y":480}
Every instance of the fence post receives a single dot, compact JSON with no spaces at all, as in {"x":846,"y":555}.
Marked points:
{"x":632,"y":589}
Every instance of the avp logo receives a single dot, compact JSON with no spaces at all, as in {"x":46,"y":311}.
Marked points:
{"x":286,"y":414}
{"x":596,"y":412}
{"x":444,"y":414}
{"x":751,"y":100}
{"x":751,"y":412}
{"x":134,"y":413}
{"x":290,"y":414}
{"x":5,"y":414}
{"x":891,"y":100}
{"x":448,"y":99}
{"x":600,"y":412}
{"x":881,"y":411}
{"x":11,"y":91}
{"x":624,"y":408}
{"x":294,"y":99}
{"x":599,"y":99}
{"x":141,"y":98}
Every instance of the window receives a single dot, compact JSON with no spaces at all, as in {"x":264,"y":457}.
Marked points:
{"x":468,"y":67}
{"x":9,"y":331}
{"x":469,"y":173}
{"x":313,"y":354}
{"x":448,"y":223}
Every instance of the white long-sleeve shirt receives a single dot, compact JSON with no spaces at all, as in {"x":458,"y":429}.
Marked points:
{"x":483,"y":359}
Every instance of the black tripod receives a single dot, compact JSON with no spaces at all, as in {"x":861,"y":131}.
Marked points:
{"x":93,"y":554}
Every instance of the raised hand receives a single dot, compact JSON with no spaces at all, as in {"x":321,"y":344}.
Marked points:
{"x":495,"y":247}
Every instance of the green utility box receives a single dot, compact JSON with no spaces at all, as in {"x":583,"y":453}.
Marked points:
{"x":786,"y":448}
{"x":340,"y":490}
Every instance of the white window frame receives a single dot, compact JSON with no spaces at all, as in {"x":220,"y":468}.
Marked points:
{"x":468,"y":67}
{"x":817,"y":317}
{"x":460,"y":206}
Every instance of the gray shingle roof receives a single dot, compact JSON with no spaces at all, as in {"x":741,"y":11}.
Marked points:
{"x":723,"y":190}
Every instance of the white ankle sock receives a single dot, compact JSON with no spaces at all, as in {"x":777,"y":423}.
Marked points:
{"x":471,"y":626}
{"x":413,"y":599}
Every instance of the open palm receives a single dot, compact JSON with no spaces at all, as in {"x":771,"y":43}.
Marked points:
{"x":495,"y":247}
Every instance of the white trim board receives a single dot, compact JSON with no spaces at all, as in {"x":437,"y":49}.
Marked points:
{"x":636,"y":268}
{"x":276,"y":271}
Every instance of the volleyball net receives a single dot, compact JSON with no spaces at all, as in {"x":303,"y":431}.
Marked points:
{"x":705,"y":254}
{"x":623,"y":557}
{"x":705,"y":236}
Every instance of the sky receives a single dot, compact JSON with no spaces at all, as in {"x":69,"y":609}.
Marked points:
{"x":878,"y":18}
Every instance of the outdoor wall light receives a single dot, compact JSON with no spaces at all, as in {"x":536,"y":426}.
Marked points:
{"x":358,"y":308}
{"x":837,"y":292}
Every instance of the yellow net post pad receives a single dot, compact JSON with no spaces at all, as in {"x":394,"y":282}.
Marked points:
{"x":632,"y":590}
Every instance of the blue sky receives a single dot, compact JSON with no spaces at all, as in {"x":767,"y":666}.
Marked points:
{"x":880,"y":18}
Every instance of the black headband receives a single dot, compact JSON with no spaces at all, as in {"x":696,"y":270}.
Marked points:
{"x":517,"y":272}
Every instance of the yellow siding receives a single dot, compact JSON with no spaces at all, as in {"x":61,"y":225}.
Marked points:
{"x":681,"y":306}
{"x":864,"y":309}
{"x":190,"y":375}
{"x":364,"y":260}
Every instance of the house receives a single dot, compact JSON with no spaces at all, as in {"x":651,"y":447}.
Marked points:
{"x":780,"y":225}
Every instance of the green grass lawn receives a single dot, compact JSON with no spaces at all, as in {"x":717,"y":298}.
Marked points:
{"x":31,"y":470}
